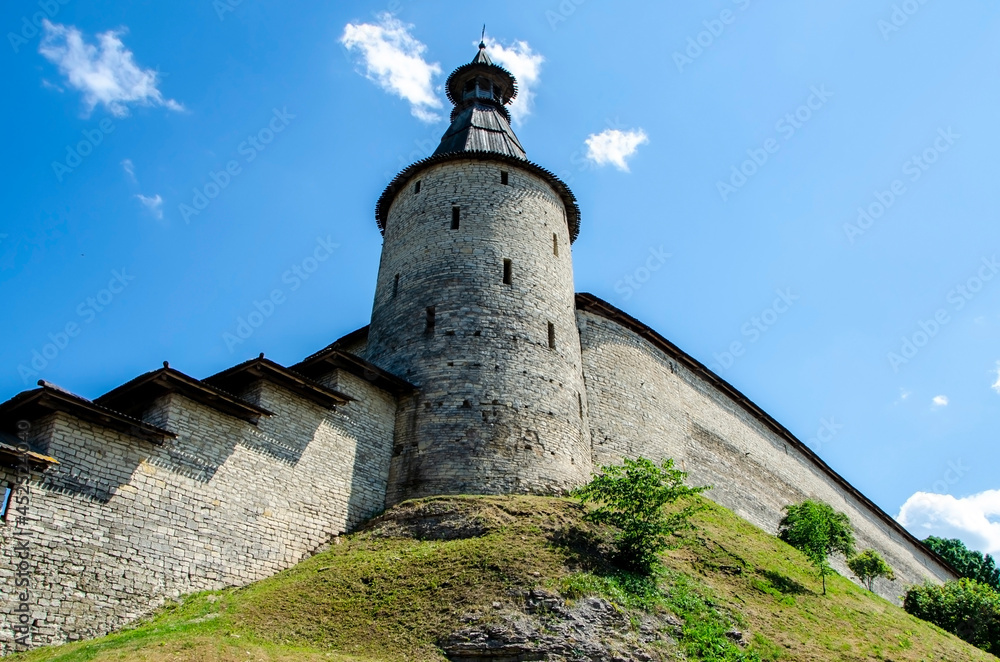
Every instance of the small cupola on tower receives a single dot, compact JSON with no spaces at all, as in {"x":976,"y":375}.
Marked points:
{"x":480,"y":121}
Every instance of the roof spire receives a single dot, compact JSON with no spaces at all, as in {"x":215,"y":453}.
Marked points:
{"x":481,"y":56}
{"x":480,"y":121}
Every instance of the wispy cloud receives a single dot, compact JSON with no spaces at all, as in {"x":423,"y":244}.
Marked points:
{"x":153,"y":204}
{"x":129,"y":169}
{"x":972,"y":519}
{"x":614,"y":146}
{"x":526,"y":65}
{"x":940,"y":400}
{"x":393,"y":59}
{"x":996,"y":384}
{"x":106,"y":74}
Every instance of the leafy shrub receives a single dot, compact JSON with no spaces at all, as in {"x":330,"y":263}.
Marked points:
{"x":966,"y":608}
{"x":631,"y":497}
{"x":869,"y":566}
{"x":817,"y":530}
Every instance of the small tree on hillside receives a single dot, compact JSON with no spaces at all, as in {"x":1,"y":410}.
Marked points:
{"x":817,"y":530}
{"x":869,"y":566}
{"x":631,"y":497}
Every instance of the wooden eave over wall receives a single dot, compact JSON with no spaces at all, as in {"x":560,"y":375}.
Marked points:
{"x":239,"y":377}
{"x":136,"y":395}
{"x":32,"y":405}
{"x":12,"y":458}
{"x":328,"y":359}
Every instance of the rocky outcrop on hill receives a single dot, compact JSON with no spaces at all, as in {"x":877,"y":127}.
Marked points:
{"x":544,"y":626}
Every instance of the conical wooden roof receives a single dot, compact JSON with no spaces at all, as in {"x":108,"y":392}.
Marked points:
{"x":480,"y":121}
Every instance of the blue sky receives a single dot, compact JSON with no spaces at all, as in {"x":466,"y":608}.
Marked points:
{"x":732,"y":145}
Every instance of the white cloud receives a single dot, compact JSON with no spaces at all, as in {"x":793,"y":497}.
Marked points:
{"x":106,"y":74}
{"x":394,"y":60}
{"x":972,"y":519}
{"x":996,"y":384}
{"x":526,"y":65}
{"x":154,"y":204}
{"x":129,"y":168}
{"x":940,"y":400}
{"x":614,"y":146}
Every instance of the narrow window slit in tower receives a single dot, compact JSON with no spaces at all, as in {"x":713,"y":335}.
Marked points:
{"x":416,"y":187}
{"x":555,"y":244}
{"x":430,"y":320}
{"x":454,"y":218}
{"x":395,"y":286}
{"x":552,"y":336}
{"x":503,"y":177}
{"x":579,"y":400}
{"x":507,"y":272}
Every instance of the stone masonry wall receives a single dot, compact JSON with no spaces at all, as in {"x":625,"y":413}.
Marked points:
{"x":122,"y":525}
{"x":643,"y":403}
{"x":372,"y":417}
{"x":499,"y":411}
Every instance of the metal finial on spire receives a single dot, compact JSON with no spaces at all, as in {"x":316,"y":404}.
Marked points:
{"x":482,"y":40}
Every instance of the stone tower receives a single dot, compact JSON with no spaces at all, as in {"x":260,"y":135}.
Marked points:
{"x":475,"y":306}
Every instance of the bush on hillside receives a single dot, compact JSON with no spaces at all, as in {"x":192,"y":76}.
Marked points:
{"x":631,"y":497}
{"x":966,"y":608}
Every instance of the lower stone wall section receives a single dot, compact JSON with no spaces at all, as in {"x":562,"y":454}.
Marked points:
{"x":643,"y":402}
{"x":121,"y":525}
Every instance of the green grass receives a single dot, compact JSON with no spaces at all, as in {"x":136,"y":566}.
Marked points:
{"x":390,"y":594}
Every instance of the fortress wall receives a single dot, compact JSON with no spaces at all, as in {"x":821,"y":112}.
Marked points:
{"x":122,"y":524}
{"x":643,"y":402}
{"x":371,"y":421}
{"x":80,"y":548}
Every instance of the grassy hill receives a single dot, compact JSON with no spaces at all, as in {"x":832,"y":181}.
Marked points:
{"x":523,"y":577}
